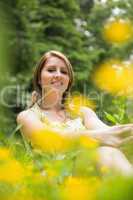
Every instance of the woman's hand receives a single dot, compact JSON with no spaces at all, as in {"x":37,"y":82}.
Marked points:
{"x":106,"y":135}
{"x":113,"y":136}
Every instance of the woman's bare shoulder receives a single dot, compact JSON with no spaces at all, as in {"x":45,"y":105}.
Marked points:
{"x":25,"y":115}
{"x":30,"y":122}
{"x":87,"y":110}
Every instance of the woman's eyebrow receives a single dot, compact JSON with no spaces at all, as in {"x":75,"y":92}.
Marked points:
{"x":54,"y":66}
{"x":50,"y":66}
{"x":64,"y":68}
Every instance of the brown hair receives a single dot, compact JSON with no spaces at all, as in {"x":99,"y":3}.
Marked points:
{"x":37,"y":93}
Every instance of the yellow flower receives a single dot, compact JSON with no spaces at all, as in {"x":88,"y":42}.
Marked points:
{"x":49,"y":141}
{"x":4,"y":153}
{"x":87,"y":142}
{"x":74,"y":103}
{"x":11,"y":171}
{"x":118,"y":31}
{"x":115,"y":76}
{"x":79,"y":188}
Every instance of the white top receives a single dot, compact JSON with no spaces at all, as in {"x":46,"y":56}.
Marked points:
{"x":70,"y":125}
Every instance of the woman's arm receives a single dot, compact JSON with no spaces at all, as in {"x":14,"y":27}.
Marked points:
{"x":106,"y":135}
{"x":91,"y":120}
{"x":114,"y":136}
{"x":110,"y":136}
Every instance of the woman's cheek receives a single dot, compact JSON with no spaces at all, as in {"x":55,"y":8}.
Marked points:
{"x":46,"y":79}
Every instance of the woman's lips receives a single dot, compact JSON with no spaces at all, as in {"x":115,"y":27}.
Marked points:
{"x":57,"y":83}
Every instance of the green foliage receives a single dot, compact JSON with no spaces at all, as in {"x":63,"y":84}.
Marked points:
{"x":116,"y":188}
{"x":119,"y":111}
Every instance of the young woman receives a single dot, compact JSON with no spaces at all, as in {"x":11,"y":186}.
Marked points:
{"x":53,"y":79}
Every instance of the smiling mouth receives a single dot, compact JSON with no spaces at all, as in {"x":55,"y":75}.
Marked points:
{"x":57,"y":83}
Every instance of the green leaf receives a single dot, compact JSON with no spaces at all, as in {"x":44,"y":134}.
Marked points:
{"x":110,"y":117}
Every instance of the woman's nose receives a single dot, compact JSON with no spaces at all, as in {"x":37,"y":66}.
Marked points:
{"x":57,"y":73}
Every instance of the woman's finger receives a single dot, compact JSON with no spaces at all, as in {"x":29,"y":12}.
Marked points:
{"x":130,"y":138}
{"x":129,"y":125}
{"x":113,"y":141}
{"x":124,"y":125}
{"x":121,"y":127}
{"x":123,"y":130}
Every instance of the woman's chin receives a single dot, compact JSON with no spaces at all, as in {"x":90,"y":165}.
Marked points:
{"x":58,"y":87}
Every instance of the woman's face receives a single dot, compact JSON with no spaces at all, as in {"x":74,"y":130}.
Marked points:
{"x":54,"y":75}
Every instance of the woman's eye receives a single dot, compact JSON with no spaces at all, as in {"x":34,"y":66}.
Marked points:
{"x":51,"y":70}
{"x":64,"y":72}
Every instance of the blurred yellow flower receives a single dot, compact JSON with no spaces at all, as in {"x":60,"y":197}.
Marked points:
{"x":88,"y":142}
{"x":11,"y":171}
{"x":4,"y":153}
{"x":115,"y":76}
{"x":49,"y":141}
{"x":75,"y":102}
{"x":118,"y":31}
{"x":79,"y":188}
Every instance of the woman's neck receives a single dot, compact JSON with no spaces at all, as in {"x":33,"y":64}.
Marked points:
{"x":56,"y":107}
{"x":51,"y":101}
